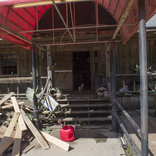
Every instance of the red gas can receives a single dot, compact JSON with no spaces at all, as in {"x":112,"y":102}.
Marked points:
{"x":67,"y":133}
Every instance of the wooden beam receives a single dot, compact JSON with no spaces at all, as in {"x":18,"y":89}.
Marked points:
{"x":10,"y":31}
{"x":20,"y":119}
{"x":10,"y":105}
{"x":6,"y":98}
{"x":9,"y":135}
{"x":8,"y":141}
{"x":107,"y":50}
{"x":123,"y":17}
{"x":10,"y":127}
{"x":56,"y":141}
{"x":62,"y":20}
{"x":36,"y":133}
{"x":17,"y":141}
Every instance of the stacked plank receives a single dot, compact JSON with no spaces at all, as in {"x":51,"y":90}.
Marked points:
{"x":20,"y":123}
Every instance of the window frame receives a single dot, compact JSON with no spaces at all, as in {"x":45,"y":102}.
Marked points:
{"x":9,"y":75}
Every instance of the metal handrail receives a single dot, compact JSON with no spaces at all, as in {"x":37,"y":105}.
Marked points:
{"x":138,"y":153}
{"x":128,"y":117}
{"x":135,"y":148}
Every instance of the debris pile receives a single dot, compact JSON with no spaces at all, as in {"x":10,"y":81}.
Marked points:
{"x":19,"y":130}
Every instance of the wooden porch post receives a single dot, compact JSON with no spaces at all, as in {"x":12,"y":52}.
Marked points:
{"x":107,"y":50}
{"x":35,"y":112}
{"x":49,"y":64}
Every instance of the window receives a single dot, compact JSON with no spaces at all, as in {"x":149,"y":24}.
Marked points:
{"x":9,"y":63}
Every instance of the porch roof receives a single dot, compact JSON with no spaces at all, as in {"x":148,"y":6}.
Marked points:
{"x":16,"y":23}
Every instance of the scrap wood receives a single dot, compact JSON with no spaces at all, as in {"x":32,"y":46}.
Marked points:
{"x":8,"y":141}
{"x":2,"y":131}
{"x":56,"y":141}
{"x":10,"y":105}
{"x":6,"y":103}
{"x":20,"y":119}
{"x":36,"y":133}
{"x":6,"y":98}
{"x":11,"y":126}
{"x":28,"y":109}
{"x":28,"y":148}
{"x":17,"y":141}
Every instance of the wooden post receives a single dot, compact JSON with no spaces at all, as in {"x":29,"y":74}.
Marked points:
{"x":52,"y":68}
{"x":107,"y":49}
{"x":35,"y":112}
{"x":49,"y":64}
{"x":8,"y":89}
{"x":92,"y":69}
{"x":17,"y":90}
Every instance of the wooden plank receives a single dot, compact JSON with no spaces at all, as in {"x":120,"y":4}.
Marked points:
{"x":17,"y":141}
{"x":86,"y":105}
{"x":36,"y":133}
{"x":11,"y":126}
{"x":20,"y":119}
{"x":8,"y":141}
{"x":28,"y":148}
{"x":82,"y":112}
{"x":14,"y":102}
{"x":56,"y":141}
{"x":2,"y":131}
{"x":81,"y":119}
{"x":10,"y":105}
{"x":6,"y":98}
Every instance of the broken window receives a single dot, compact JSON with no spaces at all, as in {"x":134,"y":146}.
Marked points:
{"x":9,"y":63}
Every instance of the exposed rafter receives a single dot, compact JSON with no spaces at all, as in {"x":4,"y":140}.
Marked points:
{"x":72,"y":22}
{"x":63,"y":20}
{"x":6,"y":29}
{"x":123,"y":17}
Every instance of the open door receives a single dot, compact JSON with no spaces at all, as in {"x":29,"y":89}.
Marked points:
{"x":81,"y":70}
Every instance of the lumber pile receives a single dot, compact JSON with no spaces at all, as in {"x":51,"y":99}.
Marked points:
{"x":21,"y":130}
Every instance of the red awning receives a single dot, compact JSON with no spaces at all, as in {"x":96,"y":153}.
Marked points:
{"x":25,"y":19}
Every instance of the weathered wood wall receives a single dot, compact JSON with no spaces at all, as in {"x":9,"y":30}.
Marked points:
{"x":126,"y":58}
{"x":63,"y":64}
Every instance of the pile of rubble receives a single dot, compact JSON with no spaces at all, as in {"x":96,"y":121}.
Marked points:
{"x":17,"y":133}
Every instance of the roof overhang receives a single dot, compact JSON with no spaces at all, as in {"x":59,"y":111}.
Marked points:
{"x":17,"y":25}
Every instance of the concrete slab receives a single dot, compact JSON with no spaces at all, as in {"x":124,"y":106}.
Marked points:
{"x":87,"y":143}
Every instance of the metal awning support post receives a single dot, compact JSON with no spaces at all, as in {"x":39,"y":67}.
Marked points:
{"x":114,"y":107}
{"x":143,"y":78}
{"x":35,"y":112}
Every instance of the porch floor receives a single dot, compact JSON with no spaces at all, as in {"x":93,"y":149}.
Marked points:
{"x":85,"y":94}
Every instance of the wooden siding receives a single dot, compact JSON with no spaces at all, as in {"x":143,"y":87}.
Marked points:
{"x":126,"y":58}
{"x":63,"y":61}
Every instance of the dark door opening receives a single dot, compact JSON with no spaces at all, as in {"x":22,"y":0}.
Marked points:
{"x":81,"y":70}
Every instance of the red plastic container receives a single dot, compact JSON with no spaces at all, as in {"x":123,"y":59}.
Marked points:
{"x":67,"y":133}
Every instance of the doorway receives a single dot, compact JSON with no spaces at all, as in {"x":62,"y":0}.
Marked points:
{"x":81,"y":70}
